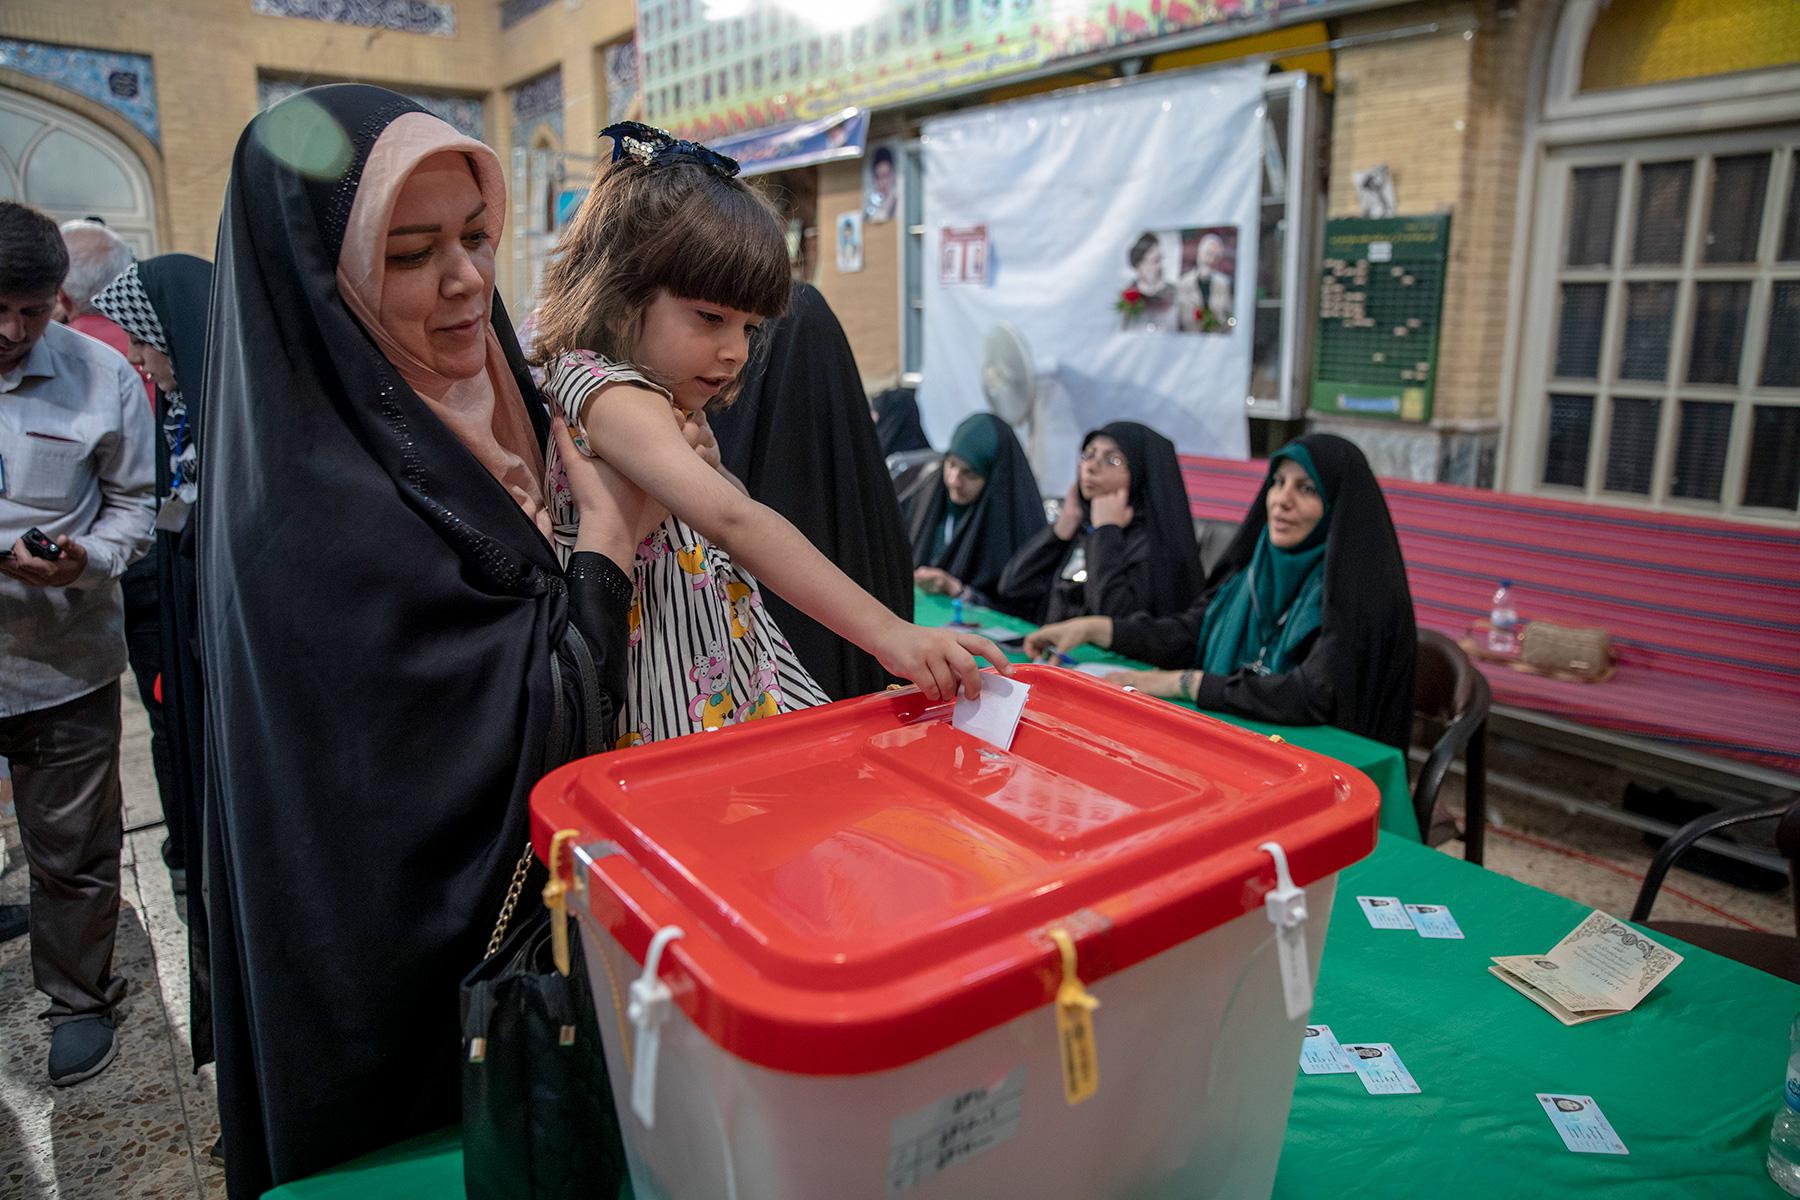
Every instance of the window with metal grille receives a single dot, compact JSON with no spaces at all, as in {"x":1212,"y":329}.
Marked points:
{"x":1664,"y":351}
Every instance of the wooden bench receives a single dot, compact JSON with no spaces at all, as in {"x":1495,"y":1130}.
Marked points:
{"x":1704,"y":615}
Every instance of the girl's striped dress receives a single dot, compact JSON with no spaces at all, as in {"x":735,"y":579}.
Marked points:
{"x":704,"y":652}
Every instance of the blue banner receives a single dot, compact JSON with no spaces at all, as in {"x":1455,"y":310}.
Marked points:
{"x":827,"y":139}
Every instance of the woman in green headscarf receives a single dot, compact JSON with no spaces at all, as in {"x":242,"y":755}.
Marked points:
{"x":1307,"y":620}
{"x":968,"y":520}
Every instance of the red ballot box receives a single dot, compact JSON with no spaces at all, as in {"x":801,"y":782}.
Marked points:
{"x":855,"y":952}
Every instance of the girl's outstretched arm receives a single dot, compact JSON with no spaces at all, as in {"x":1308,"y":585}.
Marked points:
{"x":643,"y":439}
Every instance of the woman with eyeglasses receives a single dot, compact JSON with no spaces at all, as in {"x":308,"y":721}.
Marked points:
{"x":968,"y":520}
{"x":1124,"y":542}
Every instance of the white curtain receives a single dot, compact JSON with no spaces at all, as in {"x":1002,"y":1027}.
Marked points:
{"x":1066,"y":185}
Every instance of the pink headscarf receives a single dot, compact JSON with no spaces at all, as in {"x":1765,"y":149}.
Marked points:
{"x":485,"y":412}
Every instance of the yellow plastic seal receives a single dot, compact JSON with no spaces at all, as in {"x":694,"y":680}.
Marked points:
{"x":1075,"y":1007}
{"x":556,"y":899}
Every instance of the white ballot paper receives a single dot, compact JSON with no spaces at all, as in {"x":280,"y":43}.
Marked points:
{"x":995,"y":717}
{"x":1602,"y":968}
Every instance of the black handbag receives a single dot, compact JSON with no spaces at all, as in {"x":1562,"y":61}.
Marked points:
{"x":539,"y":1121}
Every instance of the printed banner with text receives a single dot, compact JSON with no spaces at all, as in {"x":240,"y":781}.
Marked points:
{"x":1095,"y":253}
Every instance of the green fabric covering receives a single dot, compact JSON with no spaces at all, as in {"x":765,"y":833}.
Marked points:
{"x":1261,"y":614}
{"x":977,"y":443}
{"x":1690,"y":1080}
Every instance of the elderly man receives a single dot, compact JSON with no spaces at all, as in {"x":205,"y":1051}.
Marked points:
{"x":76,"y":441}
{"x":1204,"y":295}
{"x":97,"y":256}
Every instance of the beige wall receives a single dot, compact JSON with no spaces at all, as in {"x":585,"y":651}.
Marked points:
{"x":867,"y":303}
{"x":1446,"y":113}
{"x":208,"y":53}
{"x":572,"y":37}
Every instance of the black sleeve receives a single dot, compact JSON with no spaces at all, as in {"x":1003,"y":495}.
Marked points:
{"x":1172,"y":643}
{"x":599,"y":598}
{"x":1030,"y":575}
{"x":1300,"y":696}
{"x":1118,"y":571}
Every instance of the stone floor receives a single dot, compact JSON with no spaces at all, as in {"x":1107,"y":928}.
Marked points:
{"x":142,"y":1128}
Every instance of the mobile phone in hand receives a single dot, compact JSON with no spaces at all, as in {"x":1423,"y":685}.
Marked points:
{"x":40,"y":545}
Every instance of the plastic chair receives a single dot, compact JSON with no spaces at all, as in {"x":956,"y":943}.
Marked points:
{"x":906,"y":468}
{"x":1449,"y":691}
{"x":1214,"y":538}
{"x":1776,"y":953}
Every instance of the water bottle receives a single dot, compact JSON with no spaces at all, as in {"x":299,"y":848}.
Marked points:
{"x":1784,"y":1137}
{"x":1503,"y":637}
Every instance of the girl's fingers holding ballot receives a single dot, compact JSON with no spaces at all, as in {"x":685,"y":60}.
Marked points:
{"x":940,"y":662}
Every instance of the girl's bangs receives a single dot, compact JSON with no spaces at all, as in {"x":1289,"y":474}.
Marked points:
{"x":735,"y":257}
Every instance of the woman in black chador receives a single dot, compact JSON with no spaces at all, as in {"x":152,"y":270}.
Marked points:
{"x":800,"y":440}
{"x":162,"y":303}
{"x":1123,"y":543}
{"x":386,"y":628}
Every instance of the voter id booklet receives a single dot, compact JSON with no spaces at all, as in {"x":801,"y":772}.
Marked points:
{"x":1385,"y":912}
{"x":1380,"y":1069}
{"x":1584,"y":1128}
{"x":1320,"y":1053}
{"x":1433,"y":921}
{"x":1604,"y":967}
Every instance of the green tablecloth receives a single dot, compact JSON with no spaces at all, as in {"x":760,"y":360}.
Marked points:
{"x":1381,"y":763}
{"x":1689,"y":1080}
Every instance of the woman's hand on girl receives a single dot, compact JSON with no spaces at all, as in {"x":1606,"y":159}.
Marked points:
{"x":935,"y":582}
{"x":1064,"y":636}
{"x":616,"y":514}
{"x":1112,"y":508}
{"x":940,"y":661}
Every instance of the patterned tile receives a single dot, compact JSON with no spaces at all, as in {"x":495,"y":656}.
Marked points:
{"x":514,"y":11}
{"x":622,"y":80}
{"x":403,"y":16}
{"x":125,"y":83}
{"x":463,"y":113}
{"x":537,"y":102}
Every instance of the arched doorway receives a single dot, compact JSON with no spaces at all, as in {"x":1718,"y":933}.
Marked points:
{"x":68,"y":166}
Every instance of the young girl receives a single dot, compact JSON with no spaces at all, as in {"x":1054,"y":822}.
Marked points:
{"x":649,"y":313}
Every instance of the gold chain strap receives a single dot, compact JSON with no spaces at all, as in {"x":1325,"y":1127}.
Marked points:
{"x":512,"y":900}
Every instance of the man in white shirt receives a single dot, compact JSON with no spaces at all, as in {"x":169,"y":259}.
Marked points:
{"x":76,"y":446}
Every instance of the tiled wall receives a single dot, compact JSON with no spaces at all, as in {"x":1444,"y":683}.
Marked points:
{"x":461,"y":112}
{"x":401,"y":16}
{"x":537,"y":101}
{"x":125,"y":83}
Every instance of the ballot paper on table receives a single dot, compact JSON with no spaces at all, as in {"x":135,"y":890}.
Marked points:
{"x":1603,"y":968}
{"x":994,"y":718}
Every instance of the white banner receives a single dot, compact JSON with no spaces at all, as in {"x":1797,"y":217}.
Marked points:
{"x":1115,"y":231}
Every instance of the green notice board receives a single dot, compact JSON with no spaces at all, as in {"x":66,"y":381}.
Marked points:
{"x":1381,"y":299}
